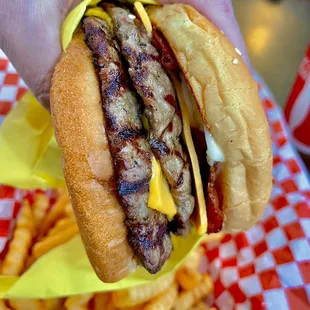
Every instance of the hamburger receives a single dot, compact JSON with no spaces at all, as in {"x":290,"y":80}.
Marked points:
{"x":161,"y":131}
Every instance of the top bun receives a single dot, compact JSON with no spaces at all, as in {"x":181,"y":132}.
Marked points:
{"x":227,"y":98}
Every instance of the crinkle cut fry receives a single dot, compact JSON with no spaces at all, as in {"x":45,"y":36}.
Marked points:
{"x":20,"y":244}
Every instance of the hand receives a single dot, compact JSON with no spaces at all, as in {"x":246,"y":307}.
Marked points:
{"x":30,"y":37}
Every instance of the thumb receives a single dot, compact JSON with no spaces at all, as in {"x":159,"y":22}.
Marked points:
{"x":30,"y":37}
{"x":221,"y":14}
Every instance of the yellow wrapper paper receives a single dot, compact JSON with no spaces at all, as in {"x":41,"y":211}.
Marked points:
{"x":30,"y":158}
{"x":66,"y":271}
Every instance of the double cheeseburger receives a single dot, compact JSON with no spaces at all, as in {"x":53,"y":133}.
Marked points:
{"x":161,"y":131}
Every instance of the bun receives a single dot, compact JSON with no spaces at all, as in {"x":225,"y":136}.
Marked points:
{"x":228,"y":101}
{"x":87,"y":164}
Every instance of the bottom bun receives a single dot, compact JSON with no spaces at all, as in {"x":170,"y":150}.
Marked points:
{"x":87,"y":164}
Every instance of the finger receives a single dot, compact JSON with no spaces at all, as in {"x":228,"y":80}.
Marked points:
{"x":221,"y":14}
{"x":30,"y":37}
{"x":34,"y":46}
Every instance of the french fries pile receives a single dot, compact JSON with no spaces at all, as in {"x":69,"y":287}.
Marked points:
{"x":40,"y":228}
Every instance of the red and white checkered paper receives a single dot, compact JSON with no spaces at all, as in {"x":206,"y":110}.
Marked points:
{"x":267,"y":267}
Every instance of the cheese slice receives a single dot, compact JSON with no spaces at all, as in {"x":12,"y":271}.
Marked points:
{"x":194,"y":116}
{"x":99,"y":12}
{"x":145,"y":123}
{"x":74,"y":17}
{"x":201,"y":214}
{"x":160,"y":197}
{"x":72,"y":20}
{"x":142,"y":1}
{"x":144,"y":17}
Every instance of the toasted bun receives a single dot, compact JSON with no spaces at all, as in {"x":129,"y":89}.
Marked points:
{"x":228,"y":101}
{"x":79,"y":128}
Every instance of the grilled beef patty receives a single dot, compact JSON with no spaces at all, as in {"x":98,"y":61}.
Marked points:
{"x":147,"y":228}
{"x":154,"y":86}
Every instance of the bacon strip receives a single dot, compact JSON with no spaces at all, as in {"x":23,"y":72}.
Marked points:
{"x":167,"y":58}
{"x":215,"y":214}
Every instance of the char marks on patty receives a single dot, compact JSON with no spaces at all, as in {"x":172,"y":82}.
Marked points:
{"x":154,"y":86}
{"x":147,"y":228}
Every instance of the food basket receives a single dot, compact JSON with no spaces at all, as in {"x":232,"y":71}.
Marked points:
{"x":267,"y":267}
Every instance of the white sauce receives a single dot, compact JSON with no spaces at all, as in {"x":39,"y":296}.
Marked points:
{"x":214,"y":152}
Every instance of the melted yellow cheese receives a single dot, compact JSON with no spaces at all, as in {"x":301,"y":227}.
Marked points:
{"x":72,"y":20}
{"x":194,"y":116}
{"x":74,"y":17}
{"x":99,"y":12}
{"x":160,"y":197}
{"x":144,"y":17}
{"x":145,"y":123}
{"x":93,"y":2}
{"x":142,"y":1}
{"x":201,"y":214}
